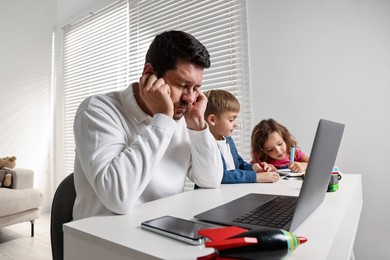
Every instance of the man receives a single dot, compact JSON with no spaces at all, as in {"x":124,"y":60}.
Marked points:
{"x":138,"y":145}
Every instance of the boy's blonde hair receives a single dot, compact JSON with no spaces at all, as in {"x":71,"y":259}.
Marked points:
{"x":220,"y":101}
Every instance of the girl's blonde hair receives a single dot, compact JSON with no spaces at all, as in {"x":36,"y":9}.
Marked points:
{"x":260,"y":134}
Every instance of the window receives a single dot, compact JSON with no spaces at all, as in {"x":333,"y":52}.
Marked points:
{"x":106,"y":51}
{"x":221,"y":27}
{"x":95,"y":60}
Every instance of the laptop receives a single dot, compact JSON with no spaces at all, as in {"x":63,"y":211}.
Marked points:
{"x":322,"y":158}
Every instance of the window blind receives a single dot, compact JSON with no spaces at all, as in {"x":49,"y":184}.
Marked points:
{"x":95,"y":60}
{"x":107,"y":52}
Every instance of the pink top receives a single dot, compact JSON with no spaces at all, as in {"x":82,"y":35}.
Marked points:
{"x":286,"y":161}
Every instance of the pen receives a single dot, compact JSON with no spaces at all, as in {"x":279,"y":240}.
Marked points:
{"x":292,"y":152}
{"x":258,"y":161}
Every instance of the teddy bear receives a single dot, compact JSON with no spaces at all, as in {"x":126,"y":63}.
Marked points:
{"x":6,"y":164}
{"x":5,"y":178}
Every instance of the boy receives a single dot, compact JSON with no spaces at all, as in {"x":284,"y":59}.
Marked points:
{"x":221,"y":115}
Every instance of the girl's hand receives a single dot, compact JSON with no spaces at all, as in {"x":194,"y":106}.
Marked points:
{"x":268,"y":167}
{"x":263,"y":167}
{"x":257,"y":168}
{"x":298,"y":166}
{"x":267,"y":177}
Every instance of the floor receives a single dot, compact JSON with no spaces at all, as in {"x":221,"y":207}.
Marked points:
{"x":16,"y":242}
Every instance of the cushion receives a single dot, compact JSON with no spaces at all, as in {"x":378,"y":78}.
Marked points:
{"x":14,"y":201}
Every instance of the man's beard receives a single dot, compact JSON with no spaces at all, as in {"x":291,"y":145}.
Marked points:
{"x":180,"y":106}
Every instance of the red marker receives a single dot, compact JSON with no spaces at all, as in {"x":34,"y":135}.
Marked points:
{"x":238,"y":243}
{"x":259,"y":161}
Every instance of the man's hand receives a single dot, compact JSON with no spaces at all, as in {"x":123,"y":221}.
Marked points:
{"x":155,"y":93}
{"x":195,"y":114}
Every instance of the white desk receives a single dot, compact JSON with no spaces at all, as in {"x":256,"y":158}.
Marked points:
{"x":330,"y":230}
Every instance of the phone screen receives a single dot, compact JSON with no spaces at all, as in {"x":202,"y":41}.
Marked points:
{"x":177,"y":228}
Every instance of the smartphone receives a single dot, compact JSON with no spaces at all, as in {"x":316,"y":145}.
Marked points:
{"x":177,"y":228}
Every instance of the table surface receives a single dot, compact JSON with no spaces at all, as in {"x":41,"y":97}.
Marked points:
{"x":330,"y":229}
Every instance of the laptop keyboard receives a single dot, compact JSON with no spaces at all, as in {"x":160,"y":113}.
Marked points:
{"x":276,"y":213}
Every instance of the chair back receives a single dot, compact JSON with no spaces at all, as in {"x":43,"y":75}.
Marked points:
{"x":61,"y":212}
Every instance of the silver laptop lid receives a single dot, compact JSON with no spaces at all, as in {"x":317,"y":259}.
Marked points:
{"x":322,"y":159}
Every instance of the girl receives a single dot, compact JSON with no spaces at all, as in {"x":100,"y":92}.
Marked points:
{"x":271,"y":143}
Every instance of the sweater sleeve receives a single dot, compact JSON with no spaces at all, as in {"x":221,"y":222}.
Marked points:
{"x":118,"y":171}
{"x":206,"y":164}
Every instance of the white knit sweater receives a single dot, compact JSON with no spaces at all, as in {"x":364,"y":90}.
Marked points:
{"x":124,"y":157}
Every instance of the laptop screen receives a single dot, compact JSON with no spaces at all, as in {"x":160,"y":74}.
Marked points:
{"x":322,"y":158}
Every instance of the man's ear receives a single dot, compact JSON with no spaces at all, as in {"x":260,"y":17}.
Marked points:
{"x":211,"y":119}
{"x":148,"y":69}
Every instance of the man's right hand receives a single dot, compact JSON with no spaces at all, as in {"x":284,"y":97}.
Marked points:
{"x":155,"y":93}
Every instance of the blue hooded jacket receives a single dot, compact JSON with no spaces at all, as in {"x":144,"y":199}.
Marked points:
{"x":243,"y":172}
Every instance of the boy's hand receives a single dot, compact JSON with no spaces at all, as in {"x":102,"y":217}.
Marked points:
{"x":267,"y":177}
{"x":195,"y":114}
{"x":155,"y":93}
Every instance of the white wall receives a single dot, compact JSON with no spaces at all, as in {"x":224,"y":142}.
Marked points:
{"x":27,"y":91}
{"x":330,"y":59}
{"x":25,"y":87}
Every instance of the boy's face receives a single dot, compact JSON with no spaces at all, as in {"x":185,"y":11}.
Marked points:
{"x":223,"y":125}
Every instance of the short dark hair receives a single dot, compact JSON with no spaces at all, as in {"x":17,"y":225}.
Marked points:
{"x":169,"y":46}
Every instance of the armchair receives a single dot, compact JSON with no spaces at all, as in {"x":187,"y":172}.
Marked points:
{"x":20,"y":202}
